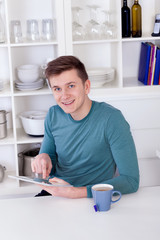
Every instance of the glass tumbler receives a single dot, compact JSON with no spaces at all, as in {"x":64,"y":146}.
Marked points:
{"x":2,"y":26}
{"x":16,"y":31}
{"x":47,"y":29}
{"x":32,"y":30}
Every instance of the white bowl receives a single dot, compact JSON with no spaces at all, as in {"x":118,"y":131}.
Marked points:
{"x":28,"y":73}
{"x":33,"y":122}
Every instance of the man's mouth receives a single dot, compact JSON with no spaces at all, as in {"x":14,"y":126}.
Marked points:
{"x":68,"y":103}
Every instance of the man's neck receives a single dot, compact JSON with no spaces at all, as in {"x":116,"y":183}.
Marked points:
{"x":87,"y":107}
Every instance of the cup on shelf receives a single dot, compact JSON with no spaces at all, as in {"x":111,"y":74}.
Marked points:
{"x":47,"y":29}
{"x":32,"y":30}
{"x":16,"y":31}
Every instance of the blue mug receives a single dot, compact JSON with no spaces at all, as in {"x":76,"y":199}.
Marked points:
{"x":102,"y":195}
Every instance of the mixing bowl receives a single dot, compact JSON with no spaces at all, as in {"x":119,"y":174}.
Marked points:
{"x":33,"y":122}
{"x":28,"y":73}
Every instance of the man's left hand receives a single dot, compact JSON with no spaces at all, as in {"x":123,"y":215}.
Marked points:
{"x":67,"y":192}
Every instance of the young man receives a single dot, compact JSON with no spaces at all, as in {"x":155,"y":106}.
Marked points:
{"x":84,"y":140}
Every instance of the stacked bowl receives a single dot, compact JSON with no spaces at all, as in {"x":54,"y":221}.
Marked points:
{"x":28,"y":77}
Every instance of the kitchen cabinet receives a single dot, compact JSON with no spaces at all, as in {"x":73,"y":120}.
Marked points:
{"x":14,"y":54}
{"x":125,"y":92}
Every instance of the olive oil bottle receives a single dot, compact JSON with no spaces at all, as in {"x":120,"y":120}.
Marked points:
{"x":136,"y":19}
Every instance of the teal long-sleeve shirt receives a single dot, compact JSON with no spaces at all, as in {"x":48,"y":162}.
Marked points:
{"x":87,"y":152}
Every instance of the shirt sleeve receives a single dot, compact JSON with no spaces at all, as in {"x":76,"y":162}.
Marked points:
{"x":48,"y":144}
{"x":124,"y":154}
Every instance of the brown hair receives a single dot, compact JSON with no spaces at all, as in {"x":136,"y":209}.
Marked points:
{"x":64,"y":63}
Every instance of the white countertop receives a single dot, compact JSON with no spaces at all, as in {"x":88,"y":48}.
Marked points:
{"x":135,"y":217}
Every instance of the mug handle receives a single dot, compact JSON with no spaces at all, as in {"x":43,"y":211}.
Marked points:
{"x":120,"y":195}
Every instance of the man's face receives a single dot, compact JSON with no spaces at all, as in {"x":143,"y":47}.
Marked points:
{"x":70,"y":93}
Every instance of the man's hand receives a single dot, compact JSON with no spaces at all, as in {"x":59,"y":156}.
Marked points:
{"x":42,"y":164}
{"x":67,"y":192}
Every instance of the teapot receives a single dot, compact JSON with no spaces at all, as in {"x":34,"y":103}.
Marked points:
{"x":2,"y":170}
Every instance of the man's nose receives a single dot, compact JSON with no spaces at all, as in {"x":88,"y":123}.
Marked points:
{"x":65,"y":93}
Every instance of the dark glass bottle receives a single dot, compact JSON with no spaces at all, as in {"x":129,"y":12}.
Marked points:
{"x":136,"y":19}
{"x":125,"y":13}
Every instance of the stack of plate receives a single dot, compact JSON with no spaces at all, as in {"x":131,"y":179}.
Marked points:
{"x":100,"y":76}
{"x":28,"y":86}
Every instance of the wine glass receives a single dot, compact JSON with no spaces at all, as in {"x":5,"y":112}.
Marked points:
{"x":108,"y":28}
{"x":93,"y":27}
{"x":78,"y":32}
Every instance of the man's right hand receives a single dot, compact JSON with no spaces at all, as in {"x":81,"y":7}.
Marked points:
{"x":42,"y":164}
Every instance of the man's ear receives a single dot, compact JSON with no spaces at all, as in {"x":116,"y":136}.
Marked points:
{"x":87,"y":86}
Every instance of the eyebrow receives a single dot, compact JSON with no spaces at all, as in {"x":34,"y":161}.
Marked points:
{"x":69,"y":83}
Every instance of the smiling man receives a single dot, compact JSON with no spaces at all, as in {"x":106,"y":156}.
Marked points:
{"x":84,"y":141}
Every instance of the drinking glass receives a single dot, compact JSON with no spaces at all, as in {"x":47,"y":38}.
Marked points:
{"x":16,"y":31}
{"x":44,"y":66}
{"x":32,"y":30}
{"x":47,"y":29}
{"x":2,"y":26}
{"x":93,"y":27}
{"x":108,"y":28}
{"x":78,"y":32}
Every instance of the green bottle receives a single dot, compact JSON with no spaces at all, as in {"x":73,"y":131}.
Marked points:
{"x":136,"y":19}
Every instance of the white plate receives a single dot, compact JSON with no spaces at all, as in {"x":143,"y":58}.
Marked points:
{"x":29,"y":86}
{"x":28,"y":83}
{"x":28,"y":89}
{"x":100,"y":71}
{"x":31,"y":180}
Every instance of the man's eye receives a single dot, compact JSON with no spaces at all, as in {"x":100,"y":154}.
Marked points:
{"x":71,"y":86}
{"x":57,"y":89}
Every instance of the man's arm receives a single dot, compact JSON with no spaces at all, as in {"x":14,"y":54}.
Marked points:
{"x":67,"y":192}
{"x":124,"y":153}
{"x":123,"y":150}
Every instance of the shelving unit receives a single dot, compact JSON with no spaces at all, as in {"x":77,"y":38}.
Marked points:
{"x":13,"y":55}
{"x":122,"y":54}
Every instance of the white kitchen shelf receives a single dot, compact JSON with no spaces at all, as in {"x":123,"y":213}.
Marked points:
{"x":40,"y":43}
{"x":43,"y":91}
{"x":23,"y":138}
{"x":144,"y":38}
{"x":95,"y":41}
